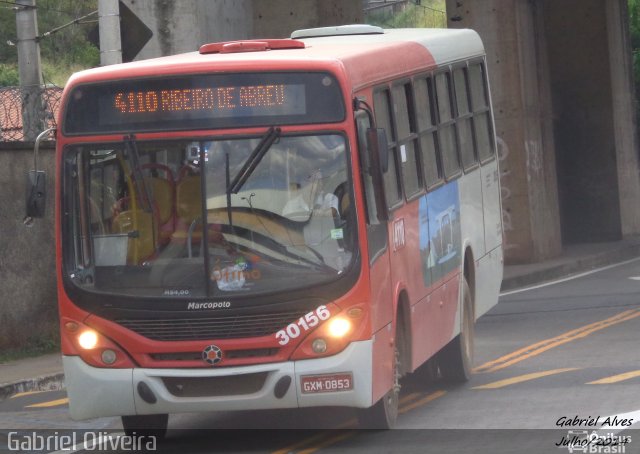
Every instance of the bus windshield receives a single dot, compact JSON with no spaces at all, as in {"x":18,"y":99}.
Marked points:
{"x":163,"y":218}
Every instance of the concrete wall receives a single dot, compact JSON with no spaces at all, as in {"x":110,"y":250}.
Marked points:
{"x":595,"y":127}
{"x":28,"y":307}
{"x":563,"y":99}
{"x":517,"y":66}
{"x":183,"y":26}
{"x":577,"y":45}
{"x":625,"y":123}
{"x":278,"y":18}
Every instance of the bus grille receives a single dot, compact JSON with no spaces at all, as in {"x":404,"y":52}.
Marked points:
{"x":213,"y":328}
{"x":215,"y":386}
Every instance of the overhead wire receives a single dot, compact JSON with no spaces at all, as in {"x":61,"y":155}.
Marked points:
{"x":44,"y":8}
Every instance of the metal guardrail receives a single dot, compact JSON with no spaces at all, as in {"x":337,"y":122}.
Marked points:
{"x":386,"y":13}
{"x":12,"y":102}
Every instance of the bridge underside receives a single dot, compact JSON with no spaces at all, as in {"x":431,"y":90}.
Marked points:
{"x":563,"y":96}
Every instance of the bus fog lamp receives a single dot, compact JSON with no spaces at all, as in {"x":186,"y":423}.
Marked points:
{"x":339,"y":327}
{"x":109,"y":356}
{"x":319,"y":346}
{"x":88,"y":340}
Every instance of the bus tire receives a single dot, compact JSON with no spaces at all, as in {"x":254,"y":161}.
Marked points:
{"x":456,"y":358}
{"x":146,"y":425}
{"x":384,"y":413}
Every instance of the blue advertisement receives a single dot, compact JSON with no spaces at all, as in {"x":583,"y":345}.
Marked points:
{"x":440,"y":248}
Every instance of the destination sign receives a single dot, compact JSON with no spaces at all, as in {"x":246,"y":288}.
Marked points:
{"x":204,"y":102}
{"x":249,"y":100}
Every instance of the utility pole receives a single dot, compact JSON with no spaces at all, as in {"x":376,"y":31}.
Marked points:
{"x":109,"y":29}
{"x":29,"y":69}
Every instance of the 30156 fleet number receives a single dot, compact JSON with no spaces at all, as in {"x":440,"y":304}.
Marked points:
{"x":302,"y":325}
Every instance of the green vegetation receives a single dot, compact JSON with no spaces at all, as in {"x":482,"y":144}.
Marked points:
{"x":63,"y":52}
{"x":427,"y":14}
{"x":33,"y":347}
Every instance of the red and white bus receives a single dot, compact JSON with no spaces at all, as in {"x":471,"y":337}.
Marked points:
{"x":276,"y":223}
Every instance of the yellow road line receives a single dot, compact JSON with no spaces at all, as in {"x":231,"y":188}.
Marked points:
{"x":299,"y":444}
{"x":27,"y":393}
{"x":322,"y":440}
{"x":425,"y":400}
{"x":548,"y":344}
{"x":329,"y":441}
{"x":522,"y":378}
{"x":616,"y":378}
{"x":408,"y":398}
{"x":349,"y":424}
{"x":53,"y":403}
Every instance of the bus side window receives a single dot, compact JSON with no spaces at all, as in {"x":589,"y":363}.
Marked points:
{"x":463,"y":122}
{"x":384,"y":116}
{"x":431,"y":166}
{"x":376,"y":231}
{"x":481,"y":112}
{"x":446,"y":126}
{"x":407,"y":138}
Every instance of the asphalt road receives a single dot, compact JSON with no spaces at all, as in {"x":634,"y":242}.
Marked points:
{"x":546,"y":358}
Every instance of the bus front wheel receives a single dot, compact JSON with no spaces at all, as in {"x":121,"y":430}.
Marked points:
{"x":455,"y":360}
{"x":384,"y":413}
{"x":146,"y":425}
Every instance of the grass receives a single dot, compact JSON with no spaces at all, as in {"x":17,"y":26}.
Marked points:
{"x":37,"y":346}
{"x":429,"y":14}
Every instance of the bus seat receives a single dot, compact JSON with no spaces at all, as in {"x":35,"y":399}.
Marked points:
{"x":188,"y":208}
{"x":164,"y":198}
{"x":141,"y":243}
{"x":188,"y":198}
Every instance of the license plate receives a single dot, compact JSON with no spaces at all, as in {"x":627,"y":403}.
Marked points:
{"x":326,"y":383}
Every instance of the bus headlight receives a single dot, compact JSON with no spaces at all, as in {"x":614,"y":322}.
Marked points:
{"x":339,"y":327}
{"x":88,"y":340}
{"x":94,"y":347}
{"x":335,"y":334}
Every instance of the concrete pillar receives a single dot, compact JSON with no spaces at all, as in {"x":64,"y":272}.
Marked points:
{"x":624,"y":115}
{"x":516,"y":63}
{"x":109,"y":25}
{"x":581,"y":80}
{"x":29,"y":69}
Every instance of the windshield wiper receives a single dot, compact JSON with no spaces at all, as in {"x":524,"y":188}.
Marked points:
{"x":134,"y":161}
{"x":253,"y":160}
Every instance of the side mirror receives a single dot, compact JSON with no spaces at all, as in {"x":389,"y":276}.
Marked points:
{"x":36,"y":193}
{"x":36,"y":185}
{"x":379,"y":149}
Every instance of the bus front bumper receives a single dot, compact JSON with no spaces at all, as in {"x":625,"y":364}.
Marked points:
{"x":97,"y":392}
